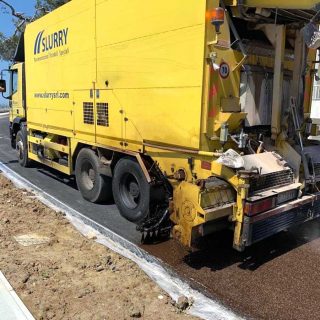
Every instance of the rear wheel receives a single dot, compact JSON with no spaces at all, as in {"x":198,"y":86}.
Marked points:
{"x":22,"y":147}
{"x":93,"y":186}
{"x":131,"y":190}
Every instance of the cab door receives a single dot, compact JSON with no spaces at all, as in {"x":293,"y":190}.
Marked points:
{"x":17,"y":102}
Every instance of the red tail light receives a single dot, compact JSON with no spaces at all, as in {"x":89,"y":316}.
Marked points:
{"x":253,"y":208}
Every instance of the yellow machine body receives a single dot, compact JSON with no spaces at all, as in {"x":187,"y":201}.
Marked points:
{"x":148,"y":78}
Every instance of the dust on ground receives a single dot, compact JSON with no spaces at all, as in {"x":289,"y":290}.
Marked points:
{"x":71,"y":276}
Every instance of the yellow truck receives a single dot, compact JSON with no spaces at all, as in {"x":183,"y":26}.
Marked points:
{"x":192,"y":115}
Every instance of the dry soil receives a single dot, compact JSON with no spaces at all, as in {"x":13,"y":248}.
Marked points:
{"x":71,"y":276}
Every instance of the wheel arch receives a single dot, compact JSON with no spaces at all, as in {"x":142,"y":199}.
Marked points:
{"x":16,"y":125}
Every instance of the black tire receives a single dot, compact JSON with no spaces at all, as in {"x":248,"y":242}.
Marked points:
{"x":131,"y":191}
{"x":22,"y":147}
{"x":93,"y":186}
{"x":13,"y":143}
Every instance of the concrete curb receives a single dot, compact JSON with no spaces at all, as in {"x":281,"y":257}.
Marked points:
{"x":11,"y":306}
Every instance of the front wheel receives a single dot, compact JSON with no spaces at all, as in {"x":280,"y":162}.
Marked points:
{"x":131,"y":190}
{"x":22,"y":148}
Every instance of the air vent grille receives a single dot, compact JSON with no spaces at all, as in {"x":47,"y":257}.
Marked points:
{"x":271,"y":180}
{"x":103,"y":114}
{"x":88,"y":116}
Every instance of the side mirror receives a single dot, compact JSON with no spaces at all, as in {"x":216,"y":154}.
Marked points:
{"x":3,"y":86}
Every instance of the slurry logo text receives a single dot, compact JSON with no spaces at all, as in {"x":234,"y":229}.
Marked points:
{"x":46,"y":42}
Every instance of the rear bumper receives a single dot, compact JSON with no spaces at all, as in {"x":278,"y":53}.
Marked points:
{"x":278,"y":219}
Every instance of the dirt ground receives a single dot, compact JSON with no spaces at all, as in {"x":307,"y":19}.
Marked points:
{"x":71,"y":276}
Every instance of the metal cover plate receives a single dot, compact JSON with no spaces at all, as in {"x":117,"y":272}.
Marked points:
{"x":266,"y":162}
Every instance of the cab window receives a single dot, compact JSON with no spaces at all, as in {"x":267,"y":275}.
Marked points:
{"x":14,"y":81}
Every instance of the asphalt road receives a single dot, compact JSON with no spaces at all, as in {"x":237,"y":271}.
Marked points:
{"x":275,"y":279}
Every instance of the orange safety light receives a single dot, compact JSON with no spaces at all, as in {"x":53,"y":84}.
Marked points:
{"x":216,"y":16}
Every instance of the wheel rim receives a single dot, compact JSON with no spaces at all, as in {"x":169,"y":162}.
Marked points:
{"x":130,"y":191}
{"x":88,"y":175}
{"x":20,"y":149}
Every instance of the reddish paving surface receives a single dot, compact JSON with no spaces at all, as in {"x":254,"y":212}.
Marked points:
{"x":278,"y":278}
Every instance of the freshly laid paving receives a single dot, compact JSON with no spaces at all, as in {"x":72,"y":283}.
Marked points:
{"x":275,"y":279}
{"x":60,"y":274}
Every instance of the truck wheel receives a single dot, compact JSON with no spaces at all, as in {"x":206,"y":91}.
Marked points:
{"x":93,"y":186}
{"x":131,"y":191}
{"x":22,"y":148}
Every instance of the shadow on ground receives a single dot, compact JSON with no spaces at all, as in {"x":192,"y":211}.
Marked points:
{"x":216,"y":253}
